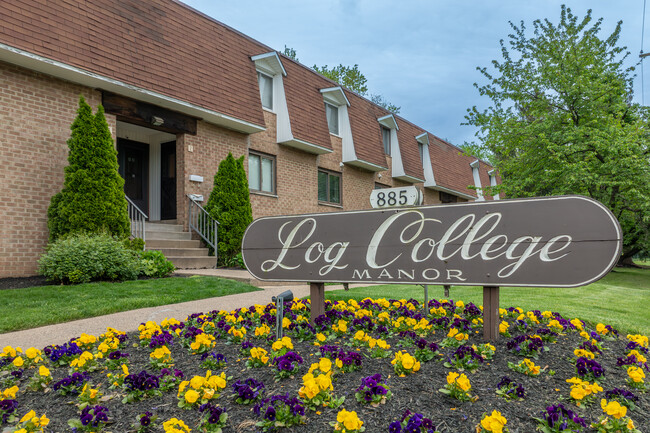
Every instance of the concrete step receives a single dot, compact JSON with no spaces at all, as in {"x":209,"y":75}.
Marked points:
{"x":162,"y":227}
{"x":193,"y":262}
{"x":164,"y":235}
{"x":183,"y":252}
{"x":156,"y":244}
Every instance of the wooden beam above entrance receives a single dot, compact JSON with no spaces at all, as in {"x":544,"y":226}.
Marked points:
{"x":147,"y":115}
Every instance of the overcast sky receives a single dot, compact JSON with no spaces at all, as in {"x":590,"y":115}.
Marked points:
{"x":420,"y":55}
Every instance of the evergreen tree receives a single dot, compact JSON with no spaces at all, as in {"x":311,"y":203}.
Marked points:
{"x":92,"y":199}
{"x":230,"y":205}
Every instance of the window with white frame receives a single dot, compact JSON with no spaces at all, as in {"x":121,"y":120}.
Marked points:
{"x":261,"y":172}
{"x":385,"y":135}
{"x":329,"y":186}
{"x":266,"y":90}
{"x":332,"y":113}
{"x":421,"y":149}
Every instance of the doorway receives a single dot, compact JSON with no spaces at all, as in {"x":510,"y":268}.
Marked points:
{"x":133,"y":160}
{"x":168,"y":180}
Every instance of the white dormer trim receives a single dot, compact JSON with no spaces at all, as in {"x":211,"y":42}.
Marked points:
{"x":429,"y":178}
{"x":335,"y":96}
{"x":269,"y":63}
{"x":389,"y":122}
{"x":493,"y":182}
{"x":477,"y":180}
{"x":397,"y":168}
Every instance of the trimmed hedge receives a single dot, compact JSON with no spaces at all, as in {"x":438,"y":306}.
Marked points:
{"x":81,"y":258}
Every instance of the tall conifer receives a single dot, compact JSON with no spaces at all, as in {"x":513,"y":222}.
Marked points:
{"x":229,"y":203}
{"x":92,"y":199}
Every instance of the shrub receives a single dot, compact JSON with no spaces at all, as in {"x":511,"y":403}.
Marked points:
{"x":135,"y":244}
{"x":155,"y":264}
{"x":92,"y":199}
{"x":230,"y":204}
{"x":82,"y":258}
{"x":236,"y":261}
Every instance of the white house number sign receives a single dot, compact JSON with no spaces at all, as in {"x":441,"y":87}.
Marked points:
{"x":395,"y":197}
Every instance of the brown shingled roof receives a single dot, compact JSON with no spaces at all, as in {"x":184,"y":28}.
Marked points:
{"x":408,"y":147}
{"x":305,"y":103}
{"x":366,"y":131}
{"x":451,"y":168}
{"x":163,"y":46}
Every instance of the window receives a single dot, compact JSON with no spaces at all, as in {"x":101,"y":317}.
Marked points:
{"x":385,"y":135}
{"x":447,"y":198}
{"x":261,"y":172}
{"x":329,"y":187}
{"x":332,"y":113}
{"x":421,"y":148}
{"x":266,"y":90}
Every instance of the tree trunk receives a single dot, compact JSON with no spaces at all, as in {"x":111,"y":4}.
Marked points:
{"x":627,"y":262}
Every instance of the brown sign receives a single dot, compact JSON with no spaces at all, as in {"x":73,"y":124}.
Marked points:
{"x":563,"y":241}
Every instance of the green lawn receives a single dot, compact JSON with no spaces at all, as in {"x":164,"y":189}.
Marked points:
{"x":620,"y":299}
{"x":46,"y":305}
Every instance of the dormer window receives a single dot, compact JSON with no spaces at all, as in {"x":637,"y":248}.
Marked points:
{"x":269,"y":77}
{"x":477,"y":179}
{"x":389,"y":130}
{"x":336,"y":111}
{"x":266,"y":90}
{"x":385,"y":136}
{"x":332,"y":113}
{"x":493,"y":182}
{"x":421,"y":149}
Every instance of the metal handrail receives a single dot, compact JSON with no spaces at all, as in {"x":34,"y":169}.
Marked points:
{"x":137,"y":218}
{"x":202,"y":223}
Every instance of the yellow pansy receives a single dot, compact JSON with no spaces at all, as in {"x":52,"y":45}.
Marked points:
{"x":494,"y":423}
{"x":191,"y":396}
{"x":613,"y":408}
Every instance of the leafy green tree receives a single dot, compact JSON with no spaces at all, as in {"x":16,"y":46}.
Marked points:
{"x":230,"y":205}
{"x":92,"y":199}
{"x":291,"y":53}
{"x":350,"y":77}
{"x":379,"y":100}
{"x":561,"y":121}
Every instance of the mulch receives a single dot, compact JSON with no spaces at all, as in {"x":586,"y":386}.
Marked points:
{"x":417,"y":392}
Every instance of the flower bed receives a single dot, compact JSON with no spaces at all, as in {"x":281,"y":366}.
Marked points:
{"x":377,"y":365}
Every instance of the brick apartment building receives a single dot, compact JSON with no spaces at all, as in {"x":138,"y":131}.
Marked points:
{"x":181,"y":90}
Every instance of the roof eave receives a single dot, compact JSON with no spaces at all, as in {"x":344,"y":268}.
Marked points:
{"x":71,"y":73}
{"x":365,"y":165}
{"x":307,"y":147}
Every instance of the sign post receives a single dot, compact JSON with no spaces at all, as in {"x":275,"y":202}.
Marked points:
{"x":490,"y":313}
{"x":317,"y":300}
{"x":566,"y":241}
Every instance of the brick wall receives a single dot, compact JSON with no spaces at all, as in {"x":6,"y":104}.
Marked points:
{"x":36,"y":112}
{"x":35,"y":116}
{"x":201,"y":154}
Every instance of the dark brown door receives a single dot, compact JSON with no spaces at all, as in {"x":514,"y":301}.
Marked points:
{"x":168,"y":180}
{"x":133,"y":158}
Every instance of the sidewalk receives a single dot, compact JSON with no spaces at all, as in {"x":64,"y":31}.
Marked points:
{"x":128,"y":321}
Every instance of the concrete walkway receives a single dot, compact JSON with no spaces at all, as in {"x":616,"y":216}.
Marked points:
{"x":128,"y":321}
